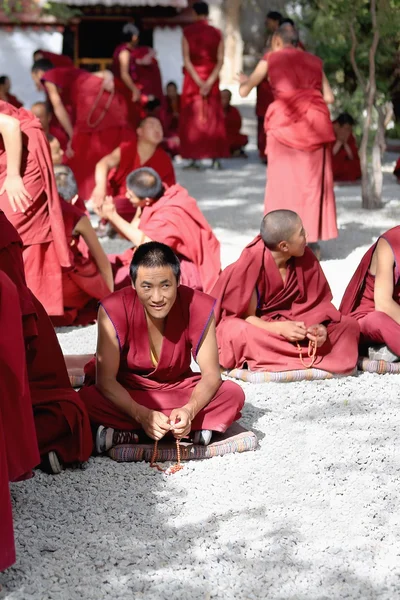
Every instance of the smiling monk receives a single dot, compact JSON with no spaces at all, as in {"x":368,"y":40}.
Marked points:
{"x":143,"y":377}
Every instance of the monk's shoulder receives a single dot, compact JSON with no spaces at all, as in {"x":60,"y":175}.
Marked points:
{"x":195,"y":300}
{"x":117,"y":302}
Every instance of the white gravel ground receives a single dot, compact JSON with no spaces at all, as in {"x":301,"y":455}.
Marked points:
{"x":313,"y":514}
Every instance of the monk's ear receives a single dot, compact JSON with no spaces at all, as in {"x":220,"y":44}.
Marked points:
{"x":282,"y":246}
{"x":148,"y":201}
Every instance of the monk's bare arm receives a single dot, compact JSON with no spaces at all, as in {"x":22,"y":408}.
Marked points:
{"x":187,"y":63}
{"x":10,"y":131}
{"x":327,"y":90}
{"x":85,"y":229}
{"x":129,"y":230}
{"x":207,"y":359}
{"x":257,"y":76}
{"x":292,"y":331}
{"x":382,"y":264}
{"x":103,"y":167}
{"x":124,"y":59}
{"x":59,"y":108}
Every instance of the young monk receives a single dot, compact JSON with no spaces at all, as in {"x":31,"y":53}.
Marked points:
{"x":112,"y":170}
{"x":201,"y":128}
{"x":5,"y":92}
{"x":142,"y":379}
{"x":92,"y":113}
{"x":274,"y":301}
{"x":170,"y":216}
{"x":345,"y":160}
{"x":62,"y":425}
{"x":233,"y":124}
{"x":91,"y":278}
{"x":42,"y":112}
{"x":35,"y":210}
{"x":373,"y":297}
{"x":170,"y":113}
{"x":299,"y":134}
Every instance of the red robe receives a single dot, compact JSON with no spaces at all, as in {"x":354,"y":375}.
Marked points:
{"x":61,"y":420}
{"x":358,"y":299}
{"x":62,"y":77}
{"x":265,"y":97}
{"x":170,"y":115}
{"x":304,"y":296}
{"x":202,"y":126}
{"x":58,"y":60}
{"x":13,"y":100}
{"x":176,"y":220}
{"x":171,"y":383}
{"x":84,"y":285}
{"x":7,"y":547}
{"x":397,"y":170}
{"x":160,"y":161}
{"x":345,"y":168}
{"x":41,"y":228}
{"x":299,"y":134}
{"x":233,"y":124}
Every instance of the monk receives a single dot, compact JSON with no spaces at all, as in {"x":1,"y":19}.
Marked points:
{"x":345,"y":160}
{"x":112,"y":170}
{"x":61,"y":422}
{"x":99,"y":116}
{"x":233,"y":124}
{"x":274,"y":306}
{"x":35,"y":211}
{"x":91,"y":278}
{"x":299,"y":133}
{"x":5,"y":93}
{"x":373,"y":297}
{"x":142,"y":379}
{"x":170,"y":113}
{"x":202,"y":127}
{"x":43,"y":113}
{"x":58,"y":60}
{"x":169,"y":216}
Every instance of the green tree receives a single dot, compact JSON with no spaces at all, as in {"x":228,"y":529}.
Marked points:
{"x":358,"y":39}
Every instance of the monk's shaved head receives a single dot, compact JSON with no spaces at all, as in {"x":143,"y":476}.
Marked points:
{"x":278,"y":226}
{"x":154,"y":255}
{"x":288,"y":34}
{"x":145,"y":183}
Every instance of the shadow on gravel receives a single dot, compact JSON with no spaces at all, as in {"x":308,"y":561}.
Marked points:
{"x":351,"y":236}
{"x":250,"y":416}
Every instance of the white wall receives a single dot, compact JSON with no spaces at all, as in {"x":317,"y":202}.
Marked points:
{"x":16,"y":49}
{"x":167,"y":43}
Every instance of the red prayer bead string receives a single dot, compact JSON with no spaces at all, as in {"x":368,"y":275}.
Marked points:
{"x":170,"y":470}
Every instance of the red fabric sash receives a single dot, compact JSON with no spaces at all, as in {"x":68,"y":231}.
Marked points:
{"x":312,"y":303}
{"x":177,"y":221}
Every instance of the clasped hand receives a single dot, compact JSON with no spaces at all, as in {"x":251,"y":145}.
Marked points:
{"x":296,"y":331}
{"x":156,"y":424}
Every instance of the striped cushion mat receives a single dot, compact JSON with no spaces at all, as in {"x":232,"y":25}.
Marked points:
{"x":235,"y":439}
{"x":283,"y":376}
{"x":378,"y":366}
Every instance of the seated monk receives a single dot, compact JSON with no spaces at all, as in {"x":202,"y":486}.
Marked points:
{"x":345,"y":160}
{"x":142,"y":378}
{"x":169,"y":216}
{"x":112,"y":170}
{"x":91,"y":278}
{"x":5,"y":93}
{"x":170,"y":119}
{"x":43,"y":113}
{"x":373,"y":297}
{"x":274,"y":306}
{"x":34,"y":209}
{"x":233,"y":123}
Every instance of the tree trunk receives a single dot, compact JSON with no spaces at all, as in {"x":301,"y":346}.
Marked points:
{"x":233,"y":61}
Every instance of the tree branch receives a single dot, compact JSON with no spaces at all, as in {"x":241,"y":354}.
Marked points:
{"x":357,"y":72}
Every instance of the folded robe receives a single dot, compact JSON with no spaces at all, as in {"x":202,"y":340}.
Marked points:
{"x":305,"y":296}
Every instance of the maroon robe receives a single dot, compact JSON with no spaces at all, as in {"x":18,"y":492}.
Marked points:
{"x":58,"y":60}
{"x":7,"y":547}
{"x":202,"y":126}
{"x":170,"y":116}
{"x":396,"y":171}
{"x":358,"y":300}
{"x":41,"y":228}
{"x":265,"y":97}
{"x":176,"y":220}
{"x":171,"y":383}
{"x":233,"y":125}
{"x":61,"y":76}
{"x":299,"y":133}
{"x":346,"y":168}
{"x":304,"y":296}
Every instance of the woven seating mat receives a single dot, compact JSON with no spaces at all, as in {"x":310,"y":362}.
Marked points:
{"x":378,"y":366}
{"x":235,"y":439}
{"x":283,"y":376}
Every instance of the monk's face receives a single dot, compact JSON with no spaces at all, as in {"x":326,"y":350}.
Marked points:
{"x":342,"y":132}
{"x":37,"y":79}
{"x":297,"y":243}
{"x":151,"y":131}
{"x":56,"y":152}
{"x":156,"y":288}
{"x":172,"y":91}
{"x":226,"y":98}
{"x":40,"y":111}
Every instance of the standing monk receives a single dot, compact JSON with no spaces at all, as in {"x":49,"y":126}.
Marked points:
{"x":202,"y":127}
{"x":299,"y":133}
{"x":274,"y":302}
{"x":37,"y":217}
{"x":100,"y":116}
{"x":145,"y":151}
{"x":373,"y":297}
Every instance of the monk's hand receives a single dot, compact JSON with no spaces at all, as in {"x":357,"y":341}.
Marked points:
{"x":317,"y":334}
{"x":154,"y":423}
{"x":98,"y":196}
{"x":293,"y":331}
{"x":205,"y":88}
{"x":69,"y":153}
{"x":107,"y":209}
{"x":19,"y":197}
{"x":181,"y":422}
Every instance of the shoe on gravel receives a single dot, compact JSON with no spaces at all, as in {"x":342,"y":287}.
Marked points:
{"x":382,"y":353}
{"x":107,"y":438}
{"x":51,"y":463}
{"x":202,"y":437}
